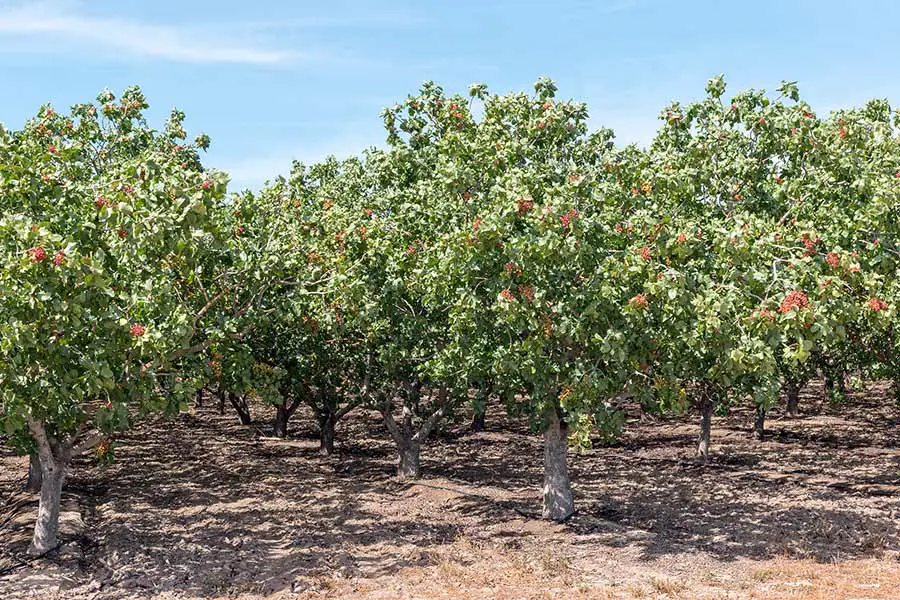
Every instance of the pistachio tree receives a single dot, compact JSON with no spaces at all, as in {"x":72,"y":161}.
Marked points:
{"x":111,"y":276}
{"x":784,"y":200}
{"x":529,"y":266}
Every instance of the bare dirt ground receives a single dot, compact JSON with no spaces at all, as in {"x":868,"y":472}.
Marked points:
{"x":200,"y":507}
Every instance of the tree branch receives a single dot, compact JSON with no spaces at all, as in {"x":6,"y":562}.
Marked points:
{"x":39,"y":433}
{"x":435,"y":416}
{"x":88,"y":443}
{"x":390,"y":423}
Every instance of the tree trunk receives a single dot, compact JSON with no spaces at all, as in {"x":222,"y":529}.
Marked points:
{"x":480,"y":406}
{"x":792,"y":390}
{"x":559,"y":503}
{"x":706,"y":412}
{"x":221,"y":398}
{"x":478,"y":422}
{"x":198,"y":403}
{"x":406,"y":436}
{"x":327,"y":423}
{"x":46,"y":529}
{"x":829,"y":388}
{"x":759,"y":422}
{"x":240,"y":407}
{"x":53,"y":457}
{"x":409,"y":467}
{"x":280,"y":425}
{"x":34,"y":474}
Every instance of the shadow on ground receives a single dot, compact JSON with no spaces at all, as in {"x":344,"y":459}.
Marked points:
{"x":201,"y":505}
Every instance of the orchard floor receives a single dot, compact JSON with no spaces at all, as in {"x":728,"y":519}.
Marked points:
{"x":200,"y":507}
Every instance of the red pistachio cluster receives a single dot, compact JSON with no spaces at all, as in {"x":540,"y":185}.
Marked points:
{"x":38,"y":254}
{"x":639,"y":301}
{"x":877,"y":305}
{"x":567,"y":218}
{"x":512,"y":269}
{"x":524,"y":206}
{"x":794,"y":300}
{"x":810,"y":244}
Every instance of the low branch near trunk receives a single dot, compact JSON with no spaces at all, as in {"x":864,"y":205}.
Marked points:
{"x":239,"y":403}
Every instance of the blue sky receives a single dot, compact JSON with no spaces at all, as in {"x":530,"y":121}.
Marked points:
{"x":274,"y":80}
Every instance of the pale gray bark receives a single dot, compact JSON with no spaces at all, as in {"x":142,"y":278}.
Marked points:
{"x":280,"y":423}
{"x":326,"y":434}
{"x":53,"y":458}
{"x":559,"y":503}
{"x":46,"y":529}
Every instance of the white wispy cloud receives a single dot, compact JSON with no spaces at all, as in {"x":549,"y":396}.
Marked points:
{"x":378,"y":18}
{"x":132,"y":37}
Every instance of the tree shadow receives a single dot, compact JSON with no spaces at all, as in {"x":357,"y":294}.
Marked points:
{"x":204,"y":506}
{"x":825,"y":492}
{"x":201,"y":505}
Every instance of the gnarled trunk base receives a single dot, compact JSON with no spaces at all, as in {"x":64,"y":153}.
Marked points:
{"x":409,"y":466}
{"x":478,"y":422}
{"x":240,"y":407}
{"x":220,"y":395}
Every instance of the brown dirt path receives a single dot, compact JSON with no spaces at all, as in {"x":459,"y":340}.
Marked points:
{"x":200,"y":507}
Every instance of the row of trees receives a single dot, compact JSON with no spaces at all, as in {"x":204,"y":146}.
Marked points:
{"x":494,"y":248}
